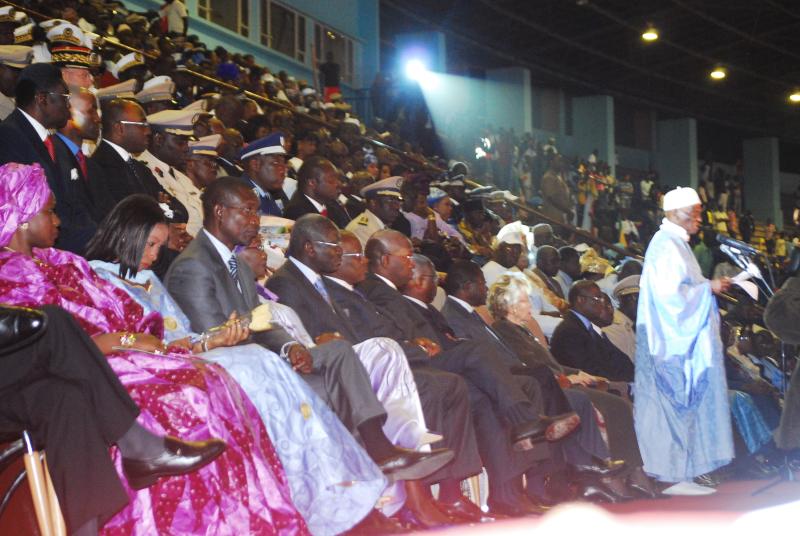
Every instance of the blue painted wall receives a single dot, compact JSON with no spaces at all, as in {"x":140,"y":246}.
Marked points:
{"x":358,"y":19}
{"x":762,"y":181}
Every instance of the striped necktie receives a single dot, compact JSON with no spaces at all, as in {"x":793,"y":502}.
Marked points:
{"x":233,"y":268}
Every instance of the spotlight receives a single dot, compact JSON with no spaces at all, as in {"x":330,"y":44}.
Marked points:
{"x":794,"y":98}
{"x":416,"y":70}
{"x":650,"y":34}
{"x":718,"y":73}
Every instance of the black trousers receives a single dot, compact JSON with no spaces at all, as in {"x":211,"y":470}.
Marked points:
{"x":478,"y":363}
{"x":63,"y":391}
{"x":446,"y":407}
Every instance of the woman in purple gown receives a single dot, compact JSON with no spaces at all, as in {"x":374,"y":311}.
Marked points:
{"x":244,"y":491}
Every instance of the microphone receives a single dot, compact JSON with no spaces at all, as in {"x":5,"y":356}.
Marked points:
{"x":735,"y":245}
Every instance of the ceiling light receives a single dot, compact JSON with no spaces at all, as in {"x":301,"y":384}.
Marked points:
{"x":795,"y":97}
{"x":718,"y":73}
{"x":650,"y":34}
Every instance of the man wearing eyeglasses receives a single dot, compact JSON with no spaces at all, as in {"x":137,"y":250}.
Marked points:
{"x":579,"y":341}
{"x":384,"y":201}
{"x":42,"y":100}
{"x":209,"y":283}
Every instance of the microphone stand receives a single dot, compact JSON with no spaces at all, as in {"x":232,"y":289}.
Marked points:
{"x":744,"y":261}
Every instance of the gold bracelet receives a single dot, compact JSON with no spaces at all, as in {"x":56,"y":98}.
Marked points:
{"x":127,"y":339}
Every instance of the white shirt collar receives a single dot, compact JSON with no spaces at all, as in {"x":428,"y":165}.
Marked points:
{"x":418,"y":302}
{"x":342,"y":282}
{"x":42,"y":132}
{"x":319,"y":206}
{"x":462,"y":303}
{"x":675,"y":229}
{"x":221,"y":248}
{"x":310,"y":274}
{"x":122,"y":152}
{"x":387,"y":281}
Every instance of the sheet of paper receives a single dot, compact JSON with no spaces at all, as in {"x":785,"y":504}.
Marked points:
{"x":749,"y":287}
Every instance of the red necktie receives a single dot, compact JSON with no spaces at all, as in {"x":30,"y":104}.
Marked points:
{"x":82,"y":162}
{"x":48,"y":142}
{"x":324,"y":211}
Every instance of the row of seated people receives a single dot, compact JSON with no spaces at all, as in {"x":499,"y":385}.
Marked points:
{"x":418,"y":376}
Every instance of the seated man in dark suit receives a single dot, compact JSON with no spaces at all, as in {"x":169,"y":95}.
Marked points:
{"x":466,"y":289}
{"x":318,"y":189}
{"x":494,"y":446}
{"x":579,"y":342}
{"x":264,"y":163}
{"x":443,"y":396}
{"x":42,"y":100}
{"x":209,"y":283}
{"x":517,"y":401}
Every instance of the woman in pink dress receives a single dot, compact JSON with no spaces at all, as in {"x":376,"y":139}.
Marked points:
{"x":244,"y":491}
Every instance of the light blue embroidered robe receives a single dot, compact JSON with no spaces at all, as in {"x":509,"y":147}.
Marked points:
{"x":681,"y":410}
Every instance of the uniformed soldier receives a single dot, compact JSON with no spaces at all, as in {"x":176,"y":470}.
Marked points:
{"x":383,"y":200}
{"x":13,"y":58}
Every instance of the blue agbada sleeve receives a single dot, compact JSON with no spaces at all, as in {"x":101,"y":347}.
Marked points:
{"x":678,"y":312}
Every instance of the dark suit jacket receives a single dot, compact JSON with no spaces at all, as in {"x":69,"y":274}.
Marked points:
{"x":408,"y":322}
{"x":203,"y":287}
{"x":528,"y":350}
{"x":575,"y":346}
{"x":471,"y":327}
{"x":299,"y":206}
{"x":368,"y":321}
{"x":110,"y":176}
{"x":20,"y":143}
{"x":296,"y":291}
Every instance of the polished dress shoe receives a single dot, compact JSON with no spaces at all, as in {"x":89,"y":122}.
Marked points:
{"x":411,"y":521}
{"x":518,"y":509}
{"x":413,"y":465}
{"x":597,"y":493}
{"x":178,"y":458}
{"x":465,"y":510}
{"x":19,"y":327}
{"x":647,"y":492}
{"x":545,"y":428}
{"x":600,"y":468}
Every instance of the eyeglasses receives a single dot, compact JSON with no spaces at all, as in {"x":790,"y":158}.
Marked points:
{"x":64,"y":96}
{"x":356,"y":255}
{"x":406,"y":257}
{"x":596,"y":299}
{"x":249,"y":212}
{"x":135,"y":123}
{"x":328,"y":244}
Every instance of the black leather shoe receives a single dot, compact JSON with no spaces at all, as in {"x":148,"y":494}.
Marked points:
{"x":19,"y":327}
{"x":518,"y":509}
{"x":598,"y":493}
{"x":413,"y":465}
{"x":600,"y":468}
{"x":411,"y":522}
{"x":464,"y":509}
{"x":179,"y":457}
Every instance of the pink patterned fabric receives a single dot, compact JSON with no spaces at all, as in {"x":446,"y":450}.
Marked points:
{"x":242,"y":492}
{"x":23,"y":193}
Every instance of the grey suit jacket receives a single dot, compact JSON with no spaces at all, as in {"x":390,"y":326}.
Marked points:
{"x":200,"y":282}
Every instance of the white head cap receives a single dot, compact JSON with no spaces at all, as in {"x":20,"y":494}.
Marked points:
{"x":680,"y":198}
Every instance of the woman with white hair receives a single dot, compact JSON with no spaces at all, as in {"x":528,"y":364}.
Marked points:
{"x":509,"y":305}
